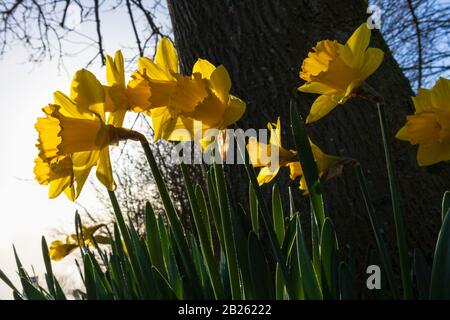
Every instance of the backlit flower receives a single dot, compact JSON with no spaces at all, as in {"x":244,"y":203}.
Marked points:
{"x":336,"y":71}
{"x":60,"y":249}
{"x":173,"y":97}
{"x":74,"y":132}
{"x":429,"y":126}
{"x":122,"y":97}
{"x":261,"y":156}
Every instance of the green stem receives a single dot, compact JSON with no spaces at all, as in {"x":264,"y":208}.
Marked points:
{"x":268,"y":222}
{"x":120,"y":221}
{"x":175,"y":223}
{"x":205,"y":244}
{"x":225,"y":216}
{"x":396,"y":206}
{"x":382,"y":250}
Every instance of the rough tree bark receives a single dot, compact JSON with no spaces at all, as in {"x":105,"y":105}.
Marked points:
{"x":262,"y":44}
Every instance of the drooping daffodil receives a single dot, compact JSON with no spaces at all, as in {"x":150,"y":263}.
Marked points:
{"x":336,"y":71}
{"x":173,"y":97}
{"x":265,"y":156}
{"x":219,"y":109}
{"x":324,"y":163}
{"x":262,"y":156}
{"x":60,"y":249}
{"x":429,"y":126}
{"x":74,"y":137}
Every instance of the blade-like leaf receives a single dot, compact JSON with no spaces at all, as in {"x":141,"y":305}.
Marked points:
{"x":440,"y":274}
{"x":310,"y":282}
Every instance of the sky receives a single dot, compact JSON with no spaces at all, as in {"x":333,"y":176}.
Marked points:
{"x":26,"y":213}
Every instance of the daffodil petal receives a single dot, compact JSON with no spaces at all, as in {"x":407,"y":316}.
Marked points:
{"x":179,"y":129}
{"x":204,"y":67}
{"x":221,"y":83}
{"x":166,"y":56}
{"x":422,"y":102}
{"x":316,"y":87}
{"x":358,"y":43}
{"x":266,"y":175}
{"x":88,"y":93}
{"x":115,"y":70}
{"x":160,"y":117}
{"x":320,"y":108}
{"x":440,"y":95}
{"x":372,"y":60}
{"x":148,"y":68}
{"x":68,"y":107}
{"x":57,"y":186}
{"x":104,"y":170}
{"x":234,"y":112}
{"x":402,"y":134}
{"x":116,"y":118}
{"x":433,"y":153}
{"x":295,"y":170}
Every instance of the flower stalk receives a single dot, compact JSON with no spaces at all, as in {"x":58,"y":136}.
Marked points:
{"x":368,"y":93}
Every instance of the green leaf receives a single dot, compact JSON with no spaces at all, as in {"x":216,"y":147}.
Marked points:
{"x":8,"y":282}
{"x":204,"y":212}
{"x":440,"y":274}
{"x":153,"y":239}
{"x":230,"y":250}
{"x":260,"y":273}
{"x":175,"y":223}
{"x":315,"y":243}
{"x":164,"y":287}
{"x":310,"y":282}
{"x":214,"y":203}
{"x":48,"y":267}
{"x":265,"y":214}
{"x":204,"y":236}
{"x":346,"y":283}
{"x":309,"y":166}
{"x":422,"y":273}
{"x":328,"y":257}
{"x":278,"y":214}
{"x":402,"y":245}
{"x":445,"y":204}
{"x":381,"y":245}
{"x":254,"y":210}
{"x":89,"y":278}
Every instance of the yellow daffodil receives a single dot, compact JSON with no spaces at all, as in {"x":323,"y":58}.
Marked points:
{"x":336,"y":71}
{"x":121,"y":97}
{"x":219,"y":109}
{"x":73,"y":132}
{"x":173,"y":97}
{"x":429,"y":127}
{"x":58,"y":174}
{"x":59,"y":249}
{"x":261,"y":154}
{"x":261,"y":157}
{"x":324,"y":163}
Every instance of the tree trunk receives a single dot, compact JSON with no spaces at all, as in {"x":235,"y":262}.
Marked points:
{"x":262,"y":44}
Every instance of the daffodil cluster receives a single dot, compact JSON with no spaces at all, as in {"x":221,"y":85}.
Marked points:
{"x":336,"y":72}
{"x":76,"y":130}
